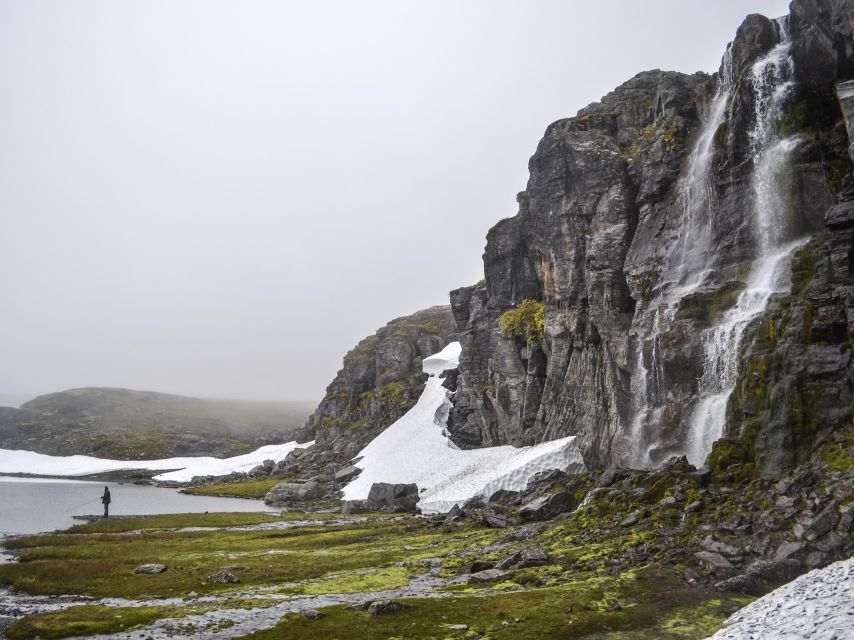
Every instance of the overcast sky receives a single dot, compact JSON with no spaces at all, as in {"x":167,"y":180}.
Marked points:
{"x":221,"y":198}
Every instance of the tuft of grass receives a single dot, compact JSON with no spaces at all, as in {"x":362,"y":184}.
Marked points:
{"x":526,"y":320}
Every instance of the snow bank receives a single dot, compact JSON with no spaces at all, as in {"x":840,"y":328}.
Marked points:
{"x":819,"y":604}
{"x":14,"y":461}
{"x":415,"y":449}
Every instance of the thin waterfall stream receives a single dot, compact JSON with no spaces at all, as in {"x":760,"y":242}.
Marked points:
{"x":689,"y":263}
{"x":771,"y":77}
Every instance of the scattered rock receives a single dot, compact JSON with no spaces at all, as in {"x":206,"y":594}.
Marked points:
{"x":150,"y":568}
{"x":496,"y":519}
{"x":382,"y":607}
{"x":632,"y":519}
{"x":714,"y":562}
{"x":346,"y":474}
{"x":311,"y":614}
{"x":488,"y":575}
{"x":527,"y":557}
{"x":458,"y":627}
{"x":223,"y":577}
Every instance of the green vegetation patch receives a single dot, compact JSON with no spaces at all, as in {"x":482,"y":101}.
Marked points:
{"x":525,"y":320}
{"x":99,"y":559}
{"x":634,"y":607}
{"x":248,"y":489}
{"x":88,"y":620}
{"x":363,"y":581}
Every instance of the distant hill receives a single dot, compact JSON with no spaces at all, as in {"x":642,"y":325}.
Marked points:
{"x":128,"y":424}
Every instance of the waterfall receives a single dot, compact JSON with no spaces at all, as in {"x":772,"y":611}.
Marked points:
{"x":771,"y":78}
{"x":687,"y":261}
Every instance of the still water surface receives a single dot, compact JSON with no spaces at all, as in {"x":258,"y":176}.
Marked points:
{"x":32,"y":505}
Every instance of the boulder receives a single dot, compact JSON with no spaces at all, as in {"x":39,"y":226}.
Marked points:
{"x":714,"y":562}
{"x":354,"y":506}
{"x":454,"y":514}
{"x":287,"y":492}
{"x":549,"y":506}
{"x":346,"y":474}
{"x":488,"y":575}
{"x":382,"y":607}
{"x":394,"y":498}
{"x":223,"y":577}
{"x":492,"y":517}
{"x":525,"y":557}
{"x":150,"y":568}
{"x":311,"y":614}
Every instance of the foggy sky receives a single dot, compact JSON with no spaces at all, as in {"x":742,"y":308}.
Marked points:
{"x":221,"y":198}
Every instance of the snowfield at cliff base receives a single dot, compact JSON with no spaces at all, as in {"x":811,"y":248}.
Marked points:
{"x":818,"y":606}
{"x":416,"y":449}
{"x":181,"y":469}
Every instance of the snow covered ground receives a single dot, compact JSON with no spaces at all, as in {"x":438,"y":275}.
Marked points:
{"x":818,"y":606}
{"x":415,"y":449}
{"x":14,"y":461}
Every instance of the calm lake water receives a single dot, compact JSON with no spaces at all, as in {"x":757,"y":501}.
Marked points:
{"x":32,"y":505}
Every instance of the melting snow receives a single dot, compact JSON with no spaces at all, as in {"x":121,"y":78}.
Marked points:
{"x":416,"y":449}
{"x":14,"y":461}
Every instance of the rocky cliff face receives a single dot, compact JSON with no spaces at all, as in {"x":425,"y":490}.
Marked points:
{"x":656,"y":227}
{"x":381,"y":379}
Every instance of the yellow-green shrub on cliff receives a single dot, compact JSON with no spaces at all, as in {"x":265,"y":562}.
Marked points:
{"x":526,"y":320}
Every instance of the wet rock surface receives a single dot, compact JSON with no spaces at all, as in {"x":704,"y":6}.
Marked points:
{"x":593,"y":239}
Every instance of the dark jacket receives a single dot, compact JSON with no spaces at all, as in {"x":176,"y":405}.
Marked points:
{"x":105,"y":499}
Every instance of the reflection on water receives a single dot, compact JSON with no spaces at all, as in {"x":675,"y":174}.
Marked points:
{"x":32,"y":505}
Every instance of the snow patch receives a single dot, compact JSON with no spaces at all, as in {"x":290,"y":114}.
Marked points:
{"x":416,"y":449}
{"x":816,"y":605}
{"x":30,"y":462}
{"x":447,"y":358}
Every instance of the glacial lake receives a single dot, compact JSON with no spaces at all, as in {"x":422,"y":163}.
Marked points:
{"x":33,"y":505}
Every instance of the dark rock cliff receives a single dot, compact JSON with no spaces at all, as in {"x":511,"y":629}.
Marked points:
{"x":381,"y":379}
{"x":605,"y":239}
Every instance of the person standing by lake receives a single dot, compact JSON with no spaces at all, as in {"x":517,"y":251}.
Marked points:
{"x":105,"y":500}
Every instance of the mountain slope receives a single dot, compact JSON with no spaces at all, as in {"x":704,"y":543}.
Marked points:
{"x":127,"y":424}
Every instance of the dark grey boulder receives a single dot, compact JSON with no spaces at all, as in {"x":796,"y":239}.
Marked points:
{"x":287,"y":492}
{"x":715,"y":562}
{"x":347,"y":473}
{"x":349,"y":507}
{"x":526,"y":557}
{"x":394,"y":498}
{"x":549,"y":506}
{"x":495,"y":518}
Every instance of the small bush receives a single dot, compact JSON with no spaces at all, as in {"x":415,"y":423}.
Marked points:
{"x":525,"y":320}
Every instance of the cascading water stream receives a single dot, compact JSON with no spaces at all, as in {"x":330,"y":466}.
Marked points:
{"x":687,"y":262}
{"x":771,"y":76}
